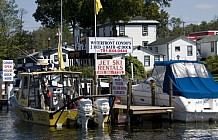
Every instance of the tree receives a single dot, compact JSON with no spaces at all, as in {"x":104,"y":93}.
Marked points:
{"x":82,"y":11}
{"x":40,"y":38}
{"x":138,"y":68}
{"x":212,"y":63}
{"x":9,"y":27}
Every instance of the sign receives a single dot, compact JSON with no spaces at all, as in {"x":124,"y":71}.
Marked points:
{"x":109,"y":45}
{"x":79,"y":55}
{"x":8,"y":70}
{"x":119,"y":87}
{"x":110,"y":67}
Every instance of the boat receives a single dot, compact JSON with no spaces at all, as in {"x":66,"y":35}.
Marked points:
{"x":45,"y":97}
{"x":194,"y":91}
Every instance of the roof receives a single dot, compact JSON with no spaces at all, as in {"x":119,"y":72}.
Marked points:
{"x":162,"y":41}
{"x":209,"y":38}
{"x":45,"y":53}
{"x":137,"y":20}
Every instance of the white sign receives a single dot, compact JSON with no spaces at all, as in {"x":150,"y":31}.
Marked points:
{"x":119,"y":87}
{"x":110,"y":67}
{"x":8,"y":70}
{"x":109,"y":45}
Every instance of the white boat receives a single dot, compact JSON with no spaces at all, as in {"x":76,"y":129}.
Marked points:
{"x":195,"y":92}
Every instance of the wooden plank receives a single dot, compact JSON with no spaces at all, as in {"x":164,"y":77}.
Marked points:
{"x":145,"y":109}
{"x":149,"y":111}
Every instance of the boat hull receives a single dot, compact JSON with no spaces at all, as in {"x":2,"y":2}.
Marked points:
{"x":42,"y":116}
{"x":185,"y":110}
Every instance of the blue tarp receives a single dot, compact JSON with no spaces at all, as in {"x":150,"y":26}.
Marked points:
{"x":189,"y":87}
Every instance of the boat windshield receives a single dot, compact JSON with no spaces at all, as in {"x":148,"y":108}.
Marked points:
{"x":157,"y":75}
{"x":181,"y":70}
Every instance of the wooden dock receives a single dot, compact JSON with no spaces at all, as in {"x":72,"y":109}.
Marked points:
{"x":140,"y":110}
{"x":120,"y":113}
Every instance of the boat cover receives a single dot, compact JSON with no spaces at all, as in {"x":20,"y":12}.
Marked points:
{"x":189,"y":78}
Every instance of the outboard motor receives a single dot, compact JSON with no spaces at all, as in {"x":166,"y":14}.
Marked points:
{"x":101,"y":110}
{"x":84,"y":112}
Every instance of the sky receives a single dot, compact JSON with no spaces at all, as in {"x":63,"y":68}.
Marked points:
{"x":29,"y":21}
{"x":193,"y":11}
{"x":190,"y":11}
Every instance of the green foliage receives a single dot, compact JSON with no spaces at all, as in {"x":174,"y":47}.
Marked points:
{"x":212,"y":64}
{"x":138,"y":68}
{"x":82,"y":12}
{"x":87,"y":72}
{"x":177,"y":27}
{"x":40,"y":38}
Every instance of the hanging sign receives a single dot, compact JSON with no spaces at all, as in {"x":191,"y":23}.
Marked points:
{"x":119,"y":87}
{"x":109,"y":45}
{"x":8,"y":70}
{"x":110,"y":67}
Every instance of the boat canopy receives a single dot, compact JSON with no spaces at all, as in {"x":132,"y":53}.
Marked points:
{"x":189,"y":78}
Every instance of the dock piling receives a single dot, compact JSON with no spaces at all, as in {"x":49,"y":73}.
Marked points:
{"x":152,"y":84}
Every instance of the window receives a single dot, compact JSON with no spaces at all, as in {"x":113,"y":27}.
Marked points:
{"x":213,"y":45}
{"x":55,"y":58}
{"x":156,"y":58}
{"x":145,"y":44}
{"x":122,"y":30}
{"x":144,"y":30}
{"x":64,"y":57}
{"x":156,"y":49}
{"x":146,"y":60}
{"x":189,"y":50}
{"x":150,"y":48}
{"x":177,"y":49}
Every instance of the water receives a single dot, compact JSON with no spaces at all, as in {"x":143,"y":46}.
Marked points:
{"x":12,"y":129}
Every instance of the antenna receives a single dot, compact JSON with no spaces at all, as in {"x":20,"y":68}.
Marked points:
{"x":183,"y":26}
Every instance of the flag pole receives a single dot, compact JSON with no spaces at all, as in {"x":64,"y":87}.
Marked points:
{"x":95,"y":68}
{"x":61,"y":23}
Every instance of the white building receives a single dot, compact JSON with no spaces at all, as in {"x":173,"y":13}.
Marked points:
{"x":145,"y":56}
{"x":180,"y":48}
{"x":142,"y":31}
{"x":208,"y":46}
{"x":31,"y":59}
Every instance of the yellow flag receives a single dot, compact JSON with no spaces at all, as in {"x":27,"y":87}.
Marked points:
{"x":60,"y":57}
{"x":98,"y":6}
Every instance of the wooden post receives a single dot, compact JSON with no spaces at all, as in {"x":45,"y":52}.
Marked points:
{"x":170,"y":98}
{"x":152,"y":84}
{"x":128,"y":102}
{"x":93,"y":89}
{"x":99,"y":87}
{"x":6,"y":89}
{"x":95,"y":84}
{"x":85,"y":87}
